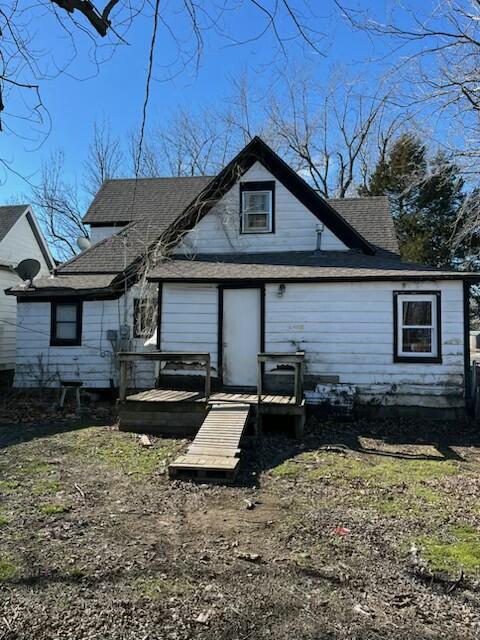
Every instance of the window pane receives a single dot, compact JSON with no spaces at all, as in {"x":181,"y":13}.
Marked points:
{"x":417,"y":312}
{"x":66,"y":330}
{"x":256,"y":221}
{"x":417,"y":340}
{"x":254,"y":202}
{"x":66,"y":313}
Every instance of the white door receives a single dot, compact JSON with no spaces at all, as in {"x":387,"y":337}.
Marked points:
{"x":241,"y":336}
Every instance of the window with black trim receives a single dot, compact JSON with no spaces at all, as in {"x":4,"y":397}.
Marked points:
{"x":417,"y":326}
{"x":66,"y":323}
{"x":257,"y":207}
{"x":144,"y":318}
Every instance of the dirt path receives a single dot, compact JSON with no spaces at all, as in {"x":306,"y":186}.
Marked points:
{"x":361,"y":531}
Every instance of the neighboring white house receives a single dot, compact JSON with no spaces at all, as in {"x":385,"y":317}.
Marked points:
{"x":20,"y":238}
{"x":251,"y":260}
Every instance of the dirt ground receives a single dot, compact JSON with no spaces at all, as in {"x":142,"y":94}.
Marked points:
{"x":360,"y":531}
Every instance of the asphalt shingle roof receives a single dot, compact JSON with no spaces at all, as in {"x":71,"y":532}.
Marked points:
{"x":159,"y":199}
{"x":371,"y":217}
{"x":158,"y":202}
{"x":328,"y":265}
{"x":9,"y":214}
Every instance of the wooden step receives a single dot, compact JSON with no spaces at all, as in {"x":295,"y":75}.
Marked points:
{"x":213,"y":454}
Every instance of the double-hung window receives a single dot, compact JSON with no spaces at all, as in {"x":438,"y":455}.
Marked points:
{"x":257,"y":201}
{"x":66,"y":324}
{"x":417,"y":327}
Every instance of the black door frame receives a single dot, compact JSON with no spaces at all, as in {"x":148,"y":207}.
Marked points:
{"x":238,"y":285}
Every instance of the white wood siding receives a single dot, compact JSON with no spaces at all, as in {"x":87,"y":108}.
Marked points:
{"x":295,"y":225}
{"x":346,"y":330}
{"x":93,"y":362}
{"x":18,"y":244}
{"x":100,"y":233}
{"x":190,"y":320}
{"x":8,"y":319}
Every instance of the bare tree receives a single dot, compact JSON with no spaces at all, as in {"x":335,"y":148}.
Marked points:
{"x":58,"y":207}
{"x":25,"y":62}
{"x":439,"y":64}
{"x":326,"y":132}
{"x":61,"y":204}
{"x":437,"y":55}
{"x":104,"y":158}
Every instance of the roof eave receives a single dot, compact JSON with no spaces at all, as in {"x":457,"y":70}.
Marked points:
{"x":471,"y":278}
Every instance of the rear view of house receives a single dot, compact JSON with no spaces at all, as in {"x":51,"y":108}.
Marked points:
{"x":20,"y":239}
{"x":251,"y":261}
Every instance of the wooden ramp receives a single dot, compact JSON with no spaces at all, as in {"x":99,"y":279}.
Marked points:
{"x":213,"y":454}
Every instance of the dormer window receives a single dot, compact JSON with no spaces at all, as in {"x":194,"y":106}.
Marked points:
{"x":257,"y":202}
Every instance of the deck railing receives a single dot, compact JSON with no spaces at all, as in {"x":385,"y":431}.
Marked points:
{"x":296,"y":359}
{"x":125,"y":357}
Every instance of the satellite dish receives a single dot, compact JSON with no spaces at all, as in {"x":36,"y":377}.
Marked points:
{"x":28,"y":269}
{"x":83,"y":243}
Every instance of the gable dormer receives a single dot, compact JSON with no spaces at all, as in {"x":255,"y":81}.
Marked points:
{"x":259,"y":214}
{"x":257,"y":203}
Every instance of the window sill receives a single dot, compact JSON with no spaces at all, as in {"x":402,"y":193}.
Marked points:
{"x":65,"y":343}
{"x":250,"y":233}
{"x":418,"y":359}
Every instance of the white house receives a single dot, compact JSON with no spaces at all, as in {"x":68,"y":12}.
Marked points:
{"x":248,"y":261}
{"x":20,"y":238}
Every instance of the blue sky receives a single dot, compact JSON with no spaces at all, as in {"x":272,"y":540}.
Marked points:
{"x":116,"y":91}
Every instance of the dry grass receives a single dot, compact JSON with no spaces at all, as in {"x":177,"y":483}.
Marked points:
{"x":359,"y":531}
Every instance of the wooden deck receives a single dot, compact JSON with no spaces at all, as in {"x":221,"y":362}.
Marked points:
{"x":217,"y":420}
{"x":214,"y":453}
{"x":175,"y":395}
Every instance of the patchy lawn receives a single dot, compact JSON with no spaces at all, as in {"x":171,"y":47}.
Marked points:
{"x":360,"y":531}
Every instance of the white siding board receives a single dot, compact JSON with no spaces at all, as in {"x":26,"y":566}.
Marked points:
{"x":346,"y":329}
{"x":100,"y":233}
{"x":93,"y":362}
{"x":190,"y":321}
{"x":8,"y":319}
{"x":18,"y":244}
{"x":295,"y":225}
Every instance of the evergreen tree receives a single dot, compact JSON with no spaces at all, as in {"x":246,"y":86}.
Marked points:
{"x":425,"y":195}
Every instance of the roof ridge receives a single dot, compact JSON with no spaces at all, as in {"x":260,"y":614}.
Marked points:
{"x":14,"y":206}
{"x":203,"y":175}
{"x":359,"y":198}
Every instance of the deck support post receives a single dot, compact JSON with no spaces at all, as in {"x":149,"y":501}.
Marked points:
{"x":122,"y":392}
{"x":259,"y":381}
{"x":208,"y":378}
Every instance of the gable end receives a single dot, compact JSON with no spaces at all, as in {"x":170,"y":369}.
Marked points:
{"x":255,"y":151}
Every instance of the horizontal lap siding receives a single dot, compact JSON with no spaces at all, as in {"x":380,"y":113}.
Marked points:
{"x":100,"y":233}
{"x":93,"y":362}
{"x":346,"y":330}
{"x":8,"y":319}
{"x":18,"y":244}
{"x":295,"y":225}
{"x":190,"y":321}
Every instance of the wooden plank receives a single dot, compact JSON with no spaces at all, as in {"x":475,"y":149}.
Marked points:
{"x":128,"y":356}
{"x":215,"y":448}
{"x":213,"y":451}
{"x":206,"y":462}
